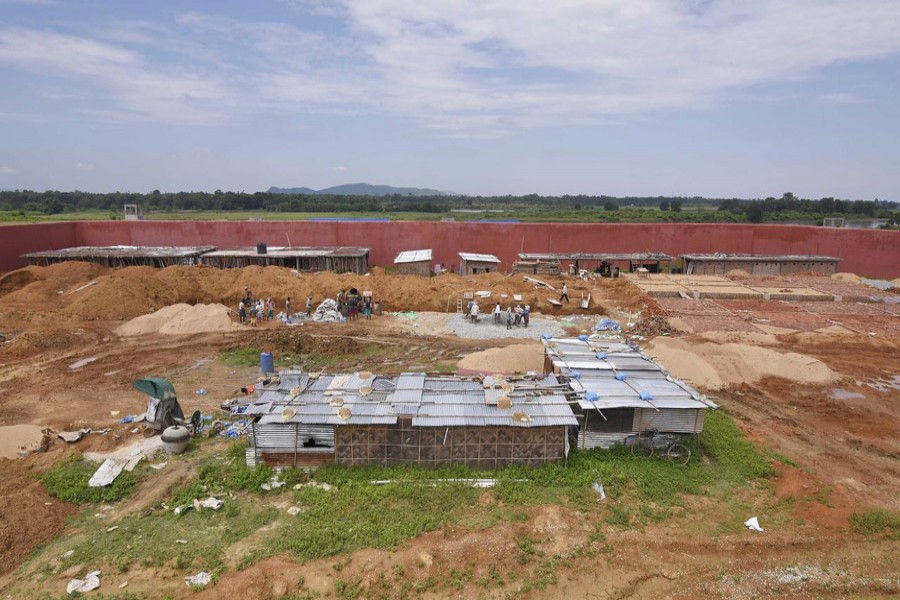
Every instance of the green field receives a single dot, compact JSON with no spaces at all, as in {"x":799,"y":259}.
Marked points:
{"x":623,"y":215}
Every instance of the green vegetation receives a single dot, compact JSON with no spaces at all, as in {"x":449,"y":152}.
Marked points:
{"x":872,"y":522}
{"x":240,"y":357}
{"x":248,"y":357}
{"x":26,"y":205}
{"x":68,"y":481}
{"x":351,"y":516}
{"x":189,"y":542}
{"x":352,"y":513}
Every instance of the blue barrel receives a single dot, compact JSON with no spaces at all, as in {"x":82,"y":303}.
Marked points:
{"x":266,"y":362}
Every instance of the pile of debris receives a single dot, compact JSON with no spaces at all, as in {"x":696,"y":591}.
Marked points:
{"x":536,"y":267}
{"x":653,"y":321}
{"x":327,"y":312}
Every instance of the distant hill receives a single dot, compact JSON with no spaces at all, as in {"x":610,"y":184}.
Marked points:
{"x":301,"y":190}
{"x":361,"y":189}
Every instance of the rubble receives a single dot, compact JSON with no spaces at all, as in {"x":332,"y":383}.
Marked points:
{"x":90,"y":582}
{"x":327,"y":312}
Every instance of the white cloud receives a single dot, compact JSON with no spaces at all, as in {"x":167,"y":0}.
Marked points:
{"x":22,"y":117}
{"x":7,"y":170}
{"x":843,"y":98}
{"x":472,"y":68}
{"x":339,"y":169}
{"x":174,"y":94}
{"x":84,"y":167}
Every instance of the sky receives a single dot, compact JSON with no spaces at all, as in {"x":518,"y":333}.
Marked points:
{"x":716,"y":98}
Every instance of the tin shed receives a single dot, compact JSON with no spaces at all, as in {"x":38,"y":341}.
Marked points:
{"x":414,"y":262}
{"x":473,"y":264}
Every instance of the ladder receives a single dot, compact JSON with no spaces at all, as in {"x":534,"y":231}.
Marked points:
{"x":459,"y":304}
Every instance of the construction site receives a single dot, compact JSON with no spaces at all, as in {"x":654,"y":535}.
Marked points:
{"x":510,"y":417}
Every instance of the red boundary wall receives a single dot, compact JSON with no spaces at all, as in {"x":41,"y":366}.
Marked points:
{"x":16,"y":240}
{"x":875,"y":253}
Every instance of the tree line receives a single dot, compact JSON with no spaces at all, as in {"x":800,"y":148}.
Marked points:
{"x":787,"y":207}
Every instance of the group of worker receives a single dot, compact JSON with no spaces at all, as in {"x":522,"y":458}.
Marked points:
{"x":351,"y":303}
{"x":255,"y":310}
{"x":511,"y":316}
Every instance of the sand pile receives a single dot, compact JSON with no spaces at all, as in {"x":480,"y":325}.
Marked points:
{"x":181,"y":319}
{"x":715,"y":366}
{"x":19,"y":438}
{"x":846,"y":277}
{"x":516,"y":358}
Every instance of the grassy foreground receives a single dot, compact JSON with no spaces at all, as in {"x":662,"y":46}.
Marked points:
{"x":342,"y":511}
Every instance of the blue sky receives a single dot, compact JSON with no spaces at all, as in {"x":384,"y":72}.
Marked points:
{"x":623,"y":97}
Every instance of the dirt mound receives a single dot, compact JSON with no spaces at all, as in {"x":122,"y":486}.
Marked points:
{"x":847,"y":277}
{"x":130,"y":292}
{"x":717,"y":366}
{"x":28,"y":515}
{"x":516,"y":358}
{"x":33,"y":285}
{"x":181,"y":319}
{"x":30,"y":343}
{"x":16,"y":280}
{"x":737,"y":274}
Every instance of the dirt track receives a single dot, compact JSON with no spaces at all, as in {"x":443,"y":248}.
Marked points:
{"x":843,"y":443}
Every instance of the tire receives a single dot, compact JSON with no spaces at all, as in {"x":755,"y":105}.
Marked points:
{"x":678,"y":454}
{"x":642,"y":447}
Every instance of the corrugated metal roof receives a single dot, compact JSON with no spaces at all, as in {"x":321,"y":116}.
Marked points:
{"x":759,"y":257}
{"x":434,"y":401}
{"x":638,"y":372}
{"x":408,"y":389}
{"x":293,"y":252}
{"x":583,"y":365}
{"x":478,"y":257}
{"x":410,"y":256}
{"x":635,"y":363}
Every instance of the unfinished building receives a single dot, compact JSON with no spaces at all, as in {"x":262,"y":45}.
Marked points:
{"x":339,"y":259}
{"x":473,"y":264}
{"x":414,"y":262}
{"x":412,"y":419}
{"x":621,"y":392}
{"x":553,"y":263}
{"x":758,"y":264}
{"x":121,"y":256}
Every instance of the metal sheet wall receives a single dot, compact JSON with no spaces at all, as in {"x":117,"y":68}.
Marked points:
{"x":669,"y":420}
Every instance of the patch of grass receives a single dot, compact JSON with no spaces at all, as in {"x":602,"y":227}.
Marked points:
{"x":351,"y":516}
{"x":778,"y":456}
{"x":240,"y":357}
{"x":232,"y":475}
{"x":68,"y":481}
{"x":191,"y":542}
{"x":348,"y":589}
{"x":356,"y":514}
{"x":876,"y":521}
{"x":619,"y":515}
